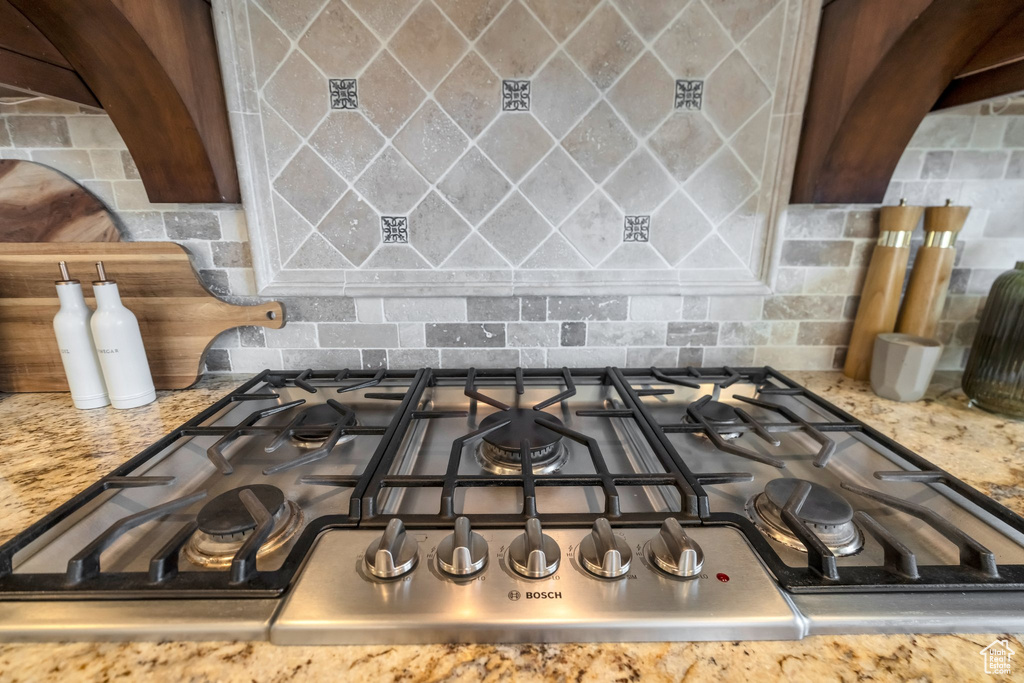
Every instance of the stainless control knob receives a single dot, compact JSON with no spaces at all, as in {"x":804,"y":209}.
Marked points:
{"x":674,"y":552}
{"x":534,"y":554}
{"x":393,"y":554}
{"x":462,"y":553}
{"x":603,"y":553}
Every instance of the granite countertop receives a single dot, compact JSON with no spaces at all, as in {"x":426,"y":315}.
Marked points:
{"x":48,"y":453}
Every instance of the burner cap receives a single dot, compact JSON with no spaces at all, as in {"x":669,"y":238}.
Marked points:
{"x":822,"y":507}
{"x":716,"y":411}
{"x":318,"y":418}
{"x":226,"y":514}
{"x":500,"y":450}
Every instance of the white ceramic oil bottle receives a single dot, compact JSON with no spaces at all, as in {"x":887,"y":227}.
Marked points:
{"x":119,"y":344}
{"x":77,"y":351}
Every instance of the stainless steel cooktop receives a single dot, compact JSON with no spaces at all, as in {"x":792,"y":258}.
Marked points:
{"x":517,"y":505}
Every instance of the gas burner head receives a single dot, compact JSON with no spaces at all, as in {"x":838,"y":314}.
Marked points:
{"x":825,"y":512}
{"x":225,"y":524}
{"x":723,"y":413}
{"x":315,"y":423}
{"x":499,"y":451}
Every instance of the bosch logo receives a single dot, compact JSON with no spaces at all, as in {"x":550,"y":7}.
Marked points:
{"x":544,"y":596}
{"x":514,"y":595}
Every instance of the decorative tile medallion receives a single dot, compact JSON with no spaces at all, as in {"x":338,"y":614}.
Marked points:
{"x":343,"y":93}
{"x":637,"y":229}
{"x":394,"y":229}
{"x":515,"y":95}
{"x":689,"y":94}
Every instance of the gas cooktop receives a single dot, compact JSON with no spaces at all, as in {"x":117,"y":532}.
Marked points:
{"x":517,"y":505}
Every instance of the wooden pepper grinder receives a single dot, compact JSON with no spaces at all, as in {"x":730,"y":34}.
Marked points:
{"x":929,"y":278}
{"x":880,"y":298}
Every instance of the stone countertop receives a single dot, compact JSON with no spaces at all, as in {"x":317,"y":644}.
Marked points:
{"x":48,"y":453}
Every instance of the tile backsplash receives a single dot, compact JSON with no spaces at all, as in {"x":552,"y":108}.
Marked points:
{"x":974,"y":155}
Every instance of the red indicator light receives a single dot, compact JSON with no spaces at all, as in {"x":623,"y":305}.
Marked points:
{"x":724,"y":578}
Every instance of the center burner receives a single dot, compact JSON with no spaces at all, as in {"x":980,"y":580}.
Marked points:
{"x":225,"y":524}
{"x":723,"y":414}
{"x":500,"y":450}
{"x":827,"y":514}
{"x":315,"y":423}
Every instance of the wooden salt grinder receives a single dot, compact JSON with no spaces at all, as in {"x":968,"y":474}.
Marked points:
{"x":880,"y":298}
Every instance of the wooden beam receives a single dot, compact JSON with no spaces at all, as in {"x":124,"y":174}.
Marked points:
{"x":1005,"y":47}
{"x":18,"y":34}
{"x":985,"y":85}
{"x":153,"y":67}
{"x":34,"y":77}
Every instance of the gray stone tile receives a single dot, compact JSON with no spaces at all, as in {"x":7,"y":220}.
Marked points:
{"x":795,"y":357}
{"x":428,"y":45}
{"x":142,"y":226}
{"x":465,"y":335}
{"x":309,"y":185}
{"x":604,"y":46}
{"x":532,"y":334}
{"x":292,"y":336}
{"x":198,"y":225}
{"x":735,"y":307}
{"x":534,"y":308}
{"x":586,"y":357}
{"x":435,"y":230}
{"x":413,"y":358}
{"x":515,"y":143}
{"x":216,"y":281}
{"x":369,"y":310}
{"x":693,"y":44}
{"x":411,"y":335}
{"x":347,"y":141}
{"x":41,"y":131}
{"x":762,"y":46}
{"x":255,"y":360}
{"x":231,"y":254}
{"x":835,"y":253}
{"x":358,"y":335}
{"x":595,"y":228}
{"x":684,"y":142}
{"x":383,"y":17}
{"x":556,"y":186}
{"x":625,"y":334}
{"x":943,"y":132}
{"x":740,"y":16}
{"x":587,"y":308}
{"x":338,"y":42}
{"x":807,"y":221}
{"x":734,"y":356}
{"x":644,"y":96}
{"x":721,"y":185}
{"x":252,"y":337}
{"x":824,"y":334}
{"x":5,"y":135}
{"x":690,"y":357}
{"x":499,"y":308}
{"x":388,"y":95}
{"x":937,"y":165}
{"x":316,"y":253}
{"x":418,"y":309}
{"x":299,"y":93}
{"x":279,"y":139}
{"x":561,"y":94}
{"x":978,"y":164}
{"x":640,"y":184}
{"x":515,"y":44}
{"x":561,"y":16}
{"x":795,"y":307}
{"x":850,"y":307}
{"x":515,"y":228}
{"x":599,"y":142}
{"x":72,"y":162}
{"x":352,"y":227}
{"x":471,"y":94}
{"x":474,"y":186}
{"x":217,"y":360}
{"x":862,"y":224}
{"x":677,"y":227}
{"x":744,"y":333}
{"x":471,"y":16}
{"x":555,"y":253}
{"x":320,"y":359}
{"x":1015,"y":169}
{"x":319,"y":308}
{"x":374,"y":359}
{"x":654,"y":307}
{"x":648,"y":357}
{"x":1014,"y":136}
{"x":475,"y":254}
{"x":396,"y":257}
{"x":291,"y":15}
{"x":692,"y":334}
{"x":988,"y":132}
{"x":483,"y":358}
{"x":573,"y":334}
{"x":735,"y":92}
{"x":649,"y":18}
{"x":533,"y":357}
{"x":273,"y":44}
{"x":391,"y":184}
{"x":131,"y":171}
{"x":695,"y":308}
{"x":833,"y":280}
{"x":431,"y":141}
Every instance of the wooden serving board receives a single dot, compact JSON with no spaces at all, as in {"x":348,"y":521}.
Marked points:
{"x":179,"y":319}
{"x":40,"y":204}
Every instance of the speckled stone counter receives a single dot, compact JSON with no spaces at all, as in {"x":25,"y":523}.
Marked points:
{"x":48,"y":452}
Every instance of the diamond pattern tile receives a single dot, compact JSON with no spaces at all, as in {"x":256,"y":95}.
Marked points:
{"x":352,"y":227}
{"x":291,"y":15}
{"x":382,"y":16}
{"x":740,"y":229}
{"x":599,"y":142}
{"x":515,"y":44}
{"x":292,"y":229}
{"x":735,"y":93}
{"x":281,"y":140}
{"x":309,"y":185}
{"x":431,"y":141}
{"x":292,"y":91}
{"x":640,"y":184}
{"x":338,"y":42}
{"x":428,"y":45}
{"x":649,"y":18}
{"x":475,"y":254}
{"x":555,"y":253}
{"x":761,"y":47}
{"x":595,"y":229}
{"x":347,"y":141}
{"x":435,"y":229}
{"x":556,"y":186}
{"x":388,"y":94}
{"x":515,"y":228}
{"x":684,"y":142}
{"x":474,"y":186}
{"x":750,"y":141}
{"x":471,"y":94}
{"x":720,"y":186}
{"x":740,"y":16}
{"x":561,"y":95}
{"x":561,"y":16}
{"x":693,"y":44}
{"x":396,"y":257}
{"x":273,"y":44}
{"x":471,"y":16}
{"x":644,"y":96}
{"x":391,"y":184}
{"x":515,"y":143}
{"x":634,"y":256}
{"x":604,"y":46}
{"x":317,"y":254}
{"x":677,"y":227}
{"x":711,"y":253}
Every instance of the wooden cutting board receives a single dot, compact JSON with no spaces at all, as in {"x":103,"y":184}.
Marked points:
{"x":178,"y":317}
{"x":40,"y":204}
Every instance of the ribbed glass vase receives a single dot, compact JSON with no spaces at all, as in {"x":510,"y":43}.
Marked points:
{"x":994,"y":378}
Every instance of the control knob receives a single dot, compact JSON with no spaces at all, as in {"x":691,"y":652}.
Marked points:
{"x":603,"y":553}
{"x":463,"y":552}
{"x":393,"y":554}
{"x":534,"y":554}
{"x":674,"y":552}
